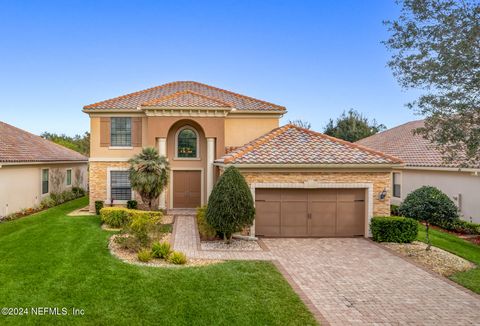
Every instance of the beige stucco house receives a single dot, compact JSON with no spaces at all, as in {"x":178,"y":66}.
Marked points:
{"x":32,"y":167}
{"x":304,"y":183}
{"x":424,"y":165}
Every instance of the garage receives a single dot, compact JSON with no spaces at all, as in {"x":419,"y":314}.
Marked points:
{"x":310,"y":212}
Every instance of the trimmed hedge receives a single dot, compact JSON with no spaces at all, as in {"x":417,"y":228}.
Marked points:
{"x":394,"y":229}
{"x":120,"y":216}
{"x":115,"y":216}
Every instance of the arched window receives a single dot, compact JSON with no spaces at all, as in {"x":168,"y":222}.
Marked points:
{"x":187,"y":143}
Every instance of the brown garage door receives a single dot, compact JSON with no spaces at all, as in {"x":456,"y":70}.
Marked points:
{"x":186,"y":189}
{"x":310,"y":212}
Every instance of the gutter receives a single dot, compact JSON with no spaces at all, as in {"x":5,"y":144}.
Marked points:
{"x":309,"y":166}
{"x":41,"y":162}
{"x":446,"y":169}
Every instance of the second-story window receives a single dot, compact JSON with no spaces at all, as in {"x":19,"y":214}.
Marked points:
{"x":121,"y":132}
{"x":187,"y":141}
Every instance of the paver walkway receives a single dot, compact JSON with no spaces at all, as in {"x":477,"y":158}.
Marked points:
{"x":353,"y":281}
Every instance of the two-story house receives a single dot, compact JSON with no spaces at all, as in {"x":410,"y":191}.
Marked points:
{"x":304,"y":183}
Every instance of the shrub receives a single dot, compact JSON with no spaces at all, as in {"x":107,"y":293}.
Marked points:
{"x":205,"y":229}
{"x":132,"y":204}
{"x":115,"y":216}
{"x":144,"y":255}
{"x":230,"y":205}
{"x":394,"y":229}
{"x":394,"y":210}
{"x":431,"y":205}
{"x":161,"y":249}
{"x":464,"y":227}
{"x":98,"y":206}
{"x":47,"y":202}
{"x":130,"y":243}
{"x":78,"y":192}
{"x":142,"y":223}
{"x":177,"y":258}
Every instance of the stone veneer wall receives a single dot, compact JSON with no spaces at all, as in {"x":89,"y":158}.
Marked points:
{"x":98,"y":180}
{"x":380,"y":180}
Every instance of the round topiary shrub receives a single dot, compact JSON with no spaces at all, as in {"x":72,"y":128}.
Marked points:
{"x":230,"y":205}
{"x":429,"y":204}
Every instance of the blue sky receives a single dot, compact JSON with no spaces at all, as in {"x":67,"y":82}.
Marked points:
{"x":317,"y":58}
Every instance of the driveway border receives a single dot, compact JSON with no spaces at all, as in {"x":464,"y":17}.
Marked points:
{"x":302,"y":295}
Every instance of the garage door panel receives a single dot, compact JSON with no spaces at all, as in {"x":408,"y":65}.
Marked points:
{"x":267,"y":194}
{"x":350,"y":219}
{"x":323,"y":217}
{"x":269,"y":223}
{"x":294,"y":218}
{"x":295,"y":195}
{"x":322,"y":195}
{"x":310,"y":212}
{"x":346,"y":195}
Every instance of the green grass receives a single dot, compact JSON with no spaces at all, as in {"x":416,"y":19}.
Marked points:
{"x":459,"y":247}
{"x":52,"y":260}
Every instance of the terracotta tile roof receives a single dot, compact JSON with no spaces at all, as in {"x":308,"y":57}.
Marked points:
{"x":294,"y":145}
{"x":186,"y":99}
{"x":17,"y":145}
{"x":185,"y":93}
{"x":414,"y":150}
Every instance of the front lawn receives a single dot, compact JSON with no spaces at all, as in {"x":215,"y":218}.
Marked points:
{"x":459,"y":247}
{"x":52,"y":260}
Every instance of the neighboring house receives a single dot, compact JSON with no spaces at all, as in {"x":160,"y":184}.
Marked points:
{"x":304,"y":183}
{"x":32,"y":168}
{"x":424,"y":165}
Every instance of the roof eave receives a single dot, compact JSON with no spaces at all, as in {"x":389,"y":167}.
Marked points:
{"x":310,"y":166}
{"x":36,"y":162}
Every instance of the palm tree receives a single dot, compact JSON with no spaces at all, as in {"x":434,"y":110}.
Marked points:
{"x":149,"y":174}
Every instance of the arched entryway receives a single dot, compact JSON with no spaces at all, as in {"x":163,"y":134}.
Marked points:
{"x":187,"y":149}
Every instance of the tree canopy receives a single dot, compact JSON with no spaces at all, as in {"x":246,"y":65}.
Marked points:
{"x":149,"y":174}
{"x":435,"y":47}
{"x":352,"y":126}
{"x":78,"y":143}
{"x":301,"y":123}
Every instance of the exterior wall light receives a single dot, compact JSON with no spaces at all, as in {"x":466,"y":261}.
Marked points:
{"x":383,"y":194}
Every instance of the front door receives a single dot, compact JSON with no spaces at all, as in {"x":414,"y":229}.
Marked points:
{"x":187,"y":189}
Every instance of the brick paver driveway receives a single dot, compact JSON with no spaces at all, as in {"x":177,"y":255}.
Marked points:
{"x":353,"y":281}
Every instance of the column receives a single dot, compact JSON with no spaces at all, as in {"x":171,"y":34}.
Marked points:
{"x":162,"y":151}
{"x":210,"y":159}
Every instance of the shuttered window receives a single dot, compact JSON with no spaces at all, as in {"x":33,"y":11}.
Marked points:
{"x":120,"y":188}
{"x":121,"y":132}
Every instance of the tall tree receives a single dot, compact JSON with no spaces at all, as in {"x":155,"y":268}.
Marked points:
{"x":78,"y":143}
{"x":352,"y":126}
{"x":230,"y":205}
{"x":435,"y":47}
{"x":149,"y":174}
